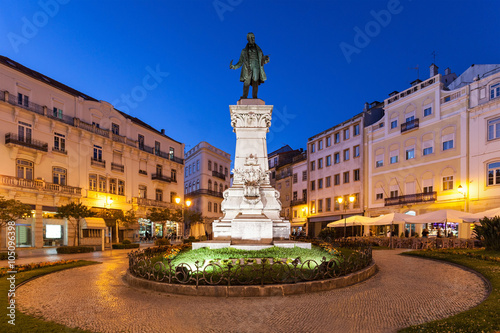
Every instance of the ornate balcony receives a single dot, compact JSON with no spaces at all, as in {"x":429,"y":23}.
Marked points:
{"x":409,"y":125}
{"x":60,"y":150}
{"x":219,"y":175}
{"x":160,"y":177}
{"x":98,"y":163}
{"x":206,"y":192}
{"x":39,"y":185}
{"x":411,"y":198}
{"x":117,"y":167}
{"x":14,"y":139}
{"x":298,"y":202}
{"x":153,"y":203}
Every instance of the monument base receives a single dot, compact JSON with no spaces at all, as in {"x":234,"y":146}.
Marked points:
{"x":215,"y":244}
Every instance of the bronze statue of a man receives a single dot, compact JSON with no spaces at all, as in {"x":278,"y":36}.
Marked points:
{"x":252,"y":62}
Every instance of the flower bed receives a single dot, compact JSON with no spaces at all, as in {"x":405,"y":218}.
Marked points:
{"x":29,"y":267}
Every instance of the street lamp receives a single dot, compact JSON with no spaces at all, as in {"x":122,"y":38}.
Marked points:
{"x":187,"y":203}
{"x":463,"y":191}
{"x":340,"y":200}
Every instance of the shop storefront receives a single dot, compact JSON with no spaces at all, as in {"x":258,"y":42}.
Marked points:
{"x":24,"y":233}
{"x":443,"y":229}
{"x":55,"y":231}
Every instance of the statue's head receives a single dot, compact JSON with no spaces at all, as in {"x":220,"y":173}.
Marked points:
{"x":251,"y":38}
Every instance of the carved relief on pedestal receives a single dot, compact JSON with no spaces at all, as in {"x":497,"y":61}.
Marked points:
{"x":250,"y":119}
{"x":251,"y":176}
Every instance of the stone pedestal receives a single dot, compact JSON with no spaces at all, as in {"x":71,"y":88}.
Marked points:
{"x":251,"y":206}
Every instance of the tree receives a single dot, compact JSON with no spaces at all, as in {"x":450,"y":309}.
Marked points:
{"x":74,"y":212}
{"x":489,"y":232}
{"x":11,"y":210}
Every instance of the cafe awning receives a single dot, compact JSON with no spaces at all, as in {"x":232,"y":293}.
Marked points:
{"x":92,"y":223}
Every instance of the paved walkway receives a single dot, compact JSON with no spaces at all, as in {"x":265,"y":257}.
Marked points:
{"x":406,"y":291}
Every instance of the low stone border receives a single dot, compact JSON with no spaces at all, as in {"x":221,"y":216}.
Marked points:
{"x":254,"y":290}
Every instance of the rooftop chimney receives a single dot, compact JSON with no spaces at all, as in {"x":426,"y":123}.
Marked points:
{"x":163,"y":131}
{"x":367,"y":106}
{"x":447,"y":71}
{"x":433,"y":70}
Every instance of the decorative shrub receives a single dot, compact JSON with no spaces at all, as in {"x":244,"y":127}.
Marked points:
{"x":328,"y":234}
{"x":126,"y":241}
{"x":74,"y":249}
{"x":489,"y":232}
{"x":203,"y":238}
{"x":162,"y":242}
{"x":125,"y":246}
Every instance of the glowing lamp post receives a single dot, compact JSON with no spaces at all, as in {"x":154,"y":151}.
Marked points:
{"x":187,"y":203}
{"x":340,"y":200}
{"x":463,"y":191}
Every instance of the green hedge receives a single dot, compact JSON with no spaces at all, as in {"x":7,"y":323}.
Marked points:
{"x":74,"y":249}
{"x":125,"y":246}
{"x":126,"y":241}
{"x":5,"y":255}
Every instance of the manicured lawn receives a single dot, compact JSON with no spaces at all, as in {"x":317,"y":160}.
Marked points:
{"x":483,"y":318}
{"x":25,"y":323}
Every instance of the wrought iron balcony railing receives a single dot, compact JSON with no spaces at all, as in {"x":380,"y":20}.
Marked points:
{"x":160,"y":177}
{"x":205,"y":191}
{"x":39,"y":185}
{"x":411,"y":198}
{"x":99,"y":163}
{"x":219,"y":175}
{"x":15,"y":139}
{"x":298,"y":202}
{"x":409,"y":125}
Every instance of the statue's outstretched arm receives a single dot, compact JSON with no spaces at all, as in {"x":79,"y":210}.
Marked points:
{"x":238,"y":64}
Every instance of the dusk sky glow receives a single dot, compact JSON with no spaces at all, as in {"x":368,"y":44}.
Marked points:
{"x":106,"y":49}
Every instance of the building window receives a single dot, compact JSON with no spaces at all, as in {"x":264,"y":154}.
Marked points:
{"x":313,"y":165}
{"x":159,"y":170}
{"x":215,"y":207}
{"x":493,"y":173}
{"x":410,"y":153}
{"x":328,"y":204}
{"x":23,"y":99}
{"x":59,"y":176}
{"x":427,"y":151}
{"x":97,"y":153}
{"x":121,"y":187}
{"x":320,"y":183}
{"x":59,"y":142}
{"x":287,"y":183}
{"x":157,"y":148}
{"x":209,"y":206}
{"x":159,"y":195}
{"x":495,"y":91}
{"x":494,"y":129}
{"x":336,"y":137}
{"x":379,"y":196}
{"x":346,"y":155}
{"x":143,"y":191}
{"x":328,"y":181}
{"x":336,"y":179}
{"x":313,"y":206}
{"x":294,"y":195}
{"x":313,"y":185}
{"x":173,"y":175}
{"x":336,"y":158}
{"x":295,"y":178}
{"x":221,"y":188}
{"x":329,"y":160}
{"x":320,"y":144}
{"x":346,"y":177}
{"x":198,"y":165}
{"x":209,"y":165}
{"x":336,"y":204}
{"x":428,"y":189}
{"x":320,"y":163}
{"x":394,"y":124}
{"x":173,"y":195}
{"x":216,"y":186}
{"x":102,"y":184}
{"x":57,"y":113}
{"x":379,"y":163}
{"x":313,"y":147}
{"x":356,"y":151}
{"x":427,"y":111}
{"x":225,"y":172}
{"x":320,"y":205}
{"x":171,"y":153}
{"x":210,"y":185}
{"x":140,"y":141}
{"x":394,"y":159}
{"x":304,"y":175}
{"x":93,"y":182}
{"x":447,"y":145}
{"x":112,"y":185}
{"x":24,"y":132}
{"x":215,"y":166}
{"x":295,"y":213}
{"x":356,"y":175}
{"x":328,"y":141}
{"x":24,"y":169}
{"x":448,"y":183}
{"x":346,"y":134}
{"x":115,"y":128}
{"x":394,"y":193}
{"x":356,"y":130}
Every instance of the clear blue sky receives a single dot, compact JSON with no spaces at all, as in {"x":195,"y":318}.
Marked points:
{"x":103,"y":48}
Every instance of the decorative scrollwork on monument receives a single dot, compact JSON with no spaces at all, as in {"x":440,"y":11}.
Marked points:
{"x":251,"y":176}
{"x":250,"y":119}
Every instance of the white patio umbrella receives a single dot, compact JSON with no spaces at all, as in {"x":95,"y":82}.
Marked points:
{"x":477,"y":216}
{"x":351,"y":221}
{"x":440,"y":216}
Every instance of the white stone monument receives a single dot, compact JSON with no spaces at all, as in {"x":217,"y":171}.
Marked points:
{"x":251,"y":206}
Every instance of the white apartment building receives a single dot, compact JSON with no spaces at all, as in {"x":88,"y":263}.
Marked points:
{"x":206,"y":178}
{"x":64,"y":146}
{"x":298,"y":205}
{"x":335,"y":162}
